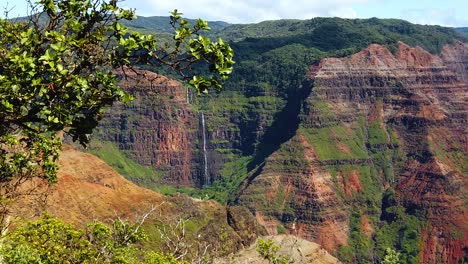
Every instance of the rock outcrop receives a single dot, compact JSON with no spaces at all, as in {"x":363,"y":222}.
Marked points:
{"x":291,"y":247}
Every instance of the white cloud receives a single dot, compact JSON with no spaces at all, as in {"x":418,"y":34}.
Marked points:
{"x":247,"y":11}
{"x":432,"y":16}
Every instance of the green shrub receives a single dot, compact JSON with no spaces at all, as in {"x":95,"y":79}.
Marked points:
{"x":269,"y":251}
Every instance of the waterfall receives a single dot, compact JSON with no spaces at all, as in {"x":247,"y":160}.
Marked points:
{"x":188,"y":95}
{"x":206,"y":179}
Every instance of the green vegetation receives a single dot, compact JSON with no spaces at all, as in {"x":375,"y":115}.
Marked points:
{"x":269,"y":251}
{"x":280,"y":229}
{"x":223,"y":189}
{"x":400,"y":230}
{"x":360,"y":247}
{"x":391,"y":257}
{"x":402,"y":233}
{"x":449,"y":151}
{"x":377,"y":134}
{"x":336,"y":143}
{"x":291,"y":156}
{"x":232,"y":176}
{"x":50,"y":240}
{"x":143,"y":175}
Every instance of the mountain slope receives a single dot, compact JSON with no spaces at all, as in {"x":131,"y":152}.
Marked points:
{"x":88,"y":189}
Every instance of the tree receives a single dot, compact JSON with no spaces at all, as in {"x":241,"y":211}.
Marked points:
{"x":56,"y":75}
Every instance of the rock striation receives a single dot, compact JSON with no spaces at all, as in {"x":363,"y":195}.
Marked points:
{"x":298,"y":195}
{"x":157,"y":129}
{"x":373,"y":121}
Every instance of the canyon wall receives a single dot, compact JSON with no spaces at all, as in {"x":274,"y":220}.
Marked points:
{"x":375,"y":125}
{"x":158,"y":129}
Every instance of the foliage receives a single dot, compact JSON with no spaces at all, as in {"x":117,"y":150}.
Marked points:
{"x":161,"y":258}
{"x":359,"y":248}
{"x":50,"y":240}
{"x":400,"y":231}
{"x":391,"y":257}
{"x":269,"y":251}
{"x":56,"y":75}
{"x":232,"y":176}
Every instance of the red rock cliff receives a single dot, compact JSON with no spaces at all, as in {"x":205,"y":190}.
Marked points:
{"x":157,"y":129}
{"x":425,"y":99}
{"x":375,"y":120}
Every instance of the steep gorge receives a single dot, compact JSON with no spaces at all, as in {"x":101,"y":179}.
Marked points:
{"x":375,"y":122}
{"x":367,"y":152}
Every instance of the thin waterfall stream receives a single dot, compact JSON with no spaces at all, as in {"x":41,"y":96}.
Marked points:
{"x":205,"y":180}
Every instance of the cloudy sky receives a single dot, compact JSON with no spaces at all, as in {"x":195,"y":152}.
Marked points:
{"x":440,"y":12}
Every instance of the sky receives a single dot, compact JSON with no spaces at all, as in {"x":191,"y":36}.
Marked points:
{"x":452,"y":13}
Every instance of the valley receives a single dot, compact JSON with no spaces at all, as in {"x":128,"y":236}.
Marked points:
{"x":353,"y":145}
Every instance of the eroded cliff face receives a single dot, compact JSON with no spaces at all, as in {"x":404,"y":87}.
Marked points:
{"x":375,"y":121}
{"x":422,"y":100}
{"x":157,"y":129}
{"x":294,"y":192}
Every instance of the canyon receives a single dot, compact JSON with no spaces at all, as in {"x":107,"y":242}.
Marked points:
{"x":372,"y":121}
{"x":362,"y":153}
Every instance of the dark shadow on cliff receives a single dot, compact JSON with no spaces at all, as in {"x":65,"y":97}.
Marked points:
{"x":285,"y":125}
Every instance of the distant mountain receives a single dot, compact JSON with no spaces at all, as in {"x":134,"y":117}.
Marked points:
{"x":147,"y":25}
{"x":337,"y":33}
{"x":162,"y":23}
{"x":463,"y":30}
